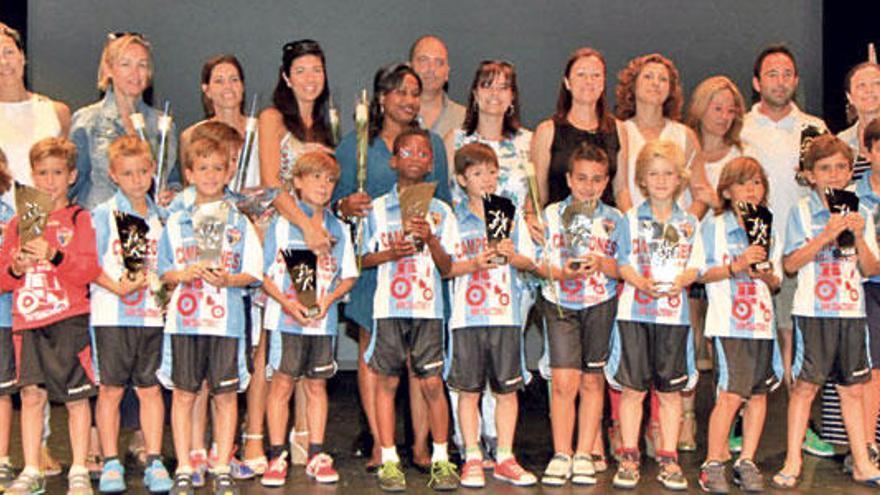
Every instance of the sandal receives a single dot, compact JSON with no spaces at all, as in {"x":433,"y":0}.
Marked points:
{"x":79,"y":484}
{"x":872,"y":482}
{"x":299,"y":455}
{"x":782,"y":481}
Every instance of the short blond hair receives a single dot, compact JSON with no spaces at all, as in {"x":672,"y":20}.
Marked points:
{"x":316,"y":161}
{"x":204,"y":147}
{"x":127,"y":147}
{"x":54,"y":147}
{"x":113,"y":49}
{"x":667,"y":150}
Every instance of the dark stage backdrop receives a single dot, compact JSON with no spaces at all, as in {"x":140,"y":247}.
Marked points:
{"x":702,"y":37}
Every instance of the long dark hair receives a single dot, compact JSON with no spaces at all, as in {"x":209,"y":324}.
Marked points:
{"x":208,"y":68}
{"x":386,"y":80}
{"x":285,"y":101}
{"x":486,"y":73}
{"x":563,"y":102}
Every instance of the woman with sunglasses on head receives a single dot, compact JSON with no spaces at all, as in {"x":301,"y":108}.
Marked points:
{"x":393,"y":108}
{"x":125,"y":74}
{"x":492,"y":118}
{"x":25,"y":118}
{"x":297,"y":123}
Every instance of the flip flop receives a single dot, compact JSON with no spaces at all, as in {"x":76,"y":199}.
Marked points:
{"x":872,"y":482}
{"x":785,"y":481}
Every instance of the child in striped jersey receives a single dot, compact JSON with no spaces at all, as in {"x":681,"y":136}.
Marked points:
{"x":126,"y":317}
{"x":408,"y":306}
{"x":651,"y":342}
{"x":8,"y":378}
{"x":205,"y":324}
{"x":829,"y":306}
{"x":747,"y":360}
{"x":302,"y":347}
{"x":487,"y":318}
{"x":577,"y":340}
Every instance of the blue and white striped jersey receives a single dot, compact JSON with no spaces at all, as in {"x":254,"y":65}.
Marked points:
{"x":140,"y":308}
{"x":6,"y":214}
{"x":869,"y":198}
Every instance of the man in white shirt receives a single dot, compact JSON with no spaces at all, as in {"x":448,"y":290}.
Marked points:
{"x":774,"y":132}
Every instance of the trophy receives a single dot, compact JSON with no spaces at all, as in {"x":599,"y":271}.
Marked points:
{"x":843,"y":202}
{"x":209,"y":225}
{"x":662,"y":240}
{"x":758,"y":221}
{"x":808,"y":133}
{"x":133,"y":240}
{"x":499,"y":212}
{"x":577,"y":224}
{"x":414,"y":202}
{"x":33,"y":207}
{"x":302,"y":265}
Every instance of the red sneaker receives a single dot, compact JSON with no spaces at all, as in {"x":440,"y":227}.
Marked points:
{"x":276,"y":475}
{"x":320,"y":469}
{"x":511,"y":472}
{"x":472,"y":474}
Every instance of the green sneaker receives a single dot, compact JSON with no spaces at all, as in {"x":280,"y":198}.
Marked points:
{"x":391,"y":478}
{"x":444,"y":476}
{"x":814,"y":445}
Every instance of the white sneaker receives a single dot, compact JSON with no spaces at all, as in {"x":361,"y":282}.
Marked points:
{"x":558,"y":470}
{"x":582,"y":470}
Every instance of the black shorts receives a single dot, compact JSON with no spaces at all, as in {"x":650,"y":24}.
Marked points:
{"x":128,"y":356}
{"x":189,"y":360}
{"x":747,"y":367}
{"x":58,"y":357}
{"x":301,"y":356}
{"x":393,"y":339}
{"x":8,"y":378}
{"x":830,"y":349}
{"x":487,"y":353}
{"x":579,"y":340}
{"x":872,"y":311}
{"x":645,"y":355}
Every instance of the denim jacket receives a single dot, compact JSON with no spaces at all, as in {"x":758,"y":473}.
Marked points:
{"x":92,"y":129}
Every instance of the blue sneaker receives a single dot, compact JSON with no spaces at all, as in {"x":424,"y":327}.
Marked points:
{"x":112,"y":478}
{"x":240,"y":470}
{"x":156,"y":478}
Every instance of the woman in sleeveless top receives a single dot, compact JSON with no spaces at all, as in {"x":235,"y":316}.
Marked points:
{"x":25,"y":117}
{"x":297,"y":122}
{"x":862,"y":85}
{"x":582,"y":114}
{"x":124,"y":75}
{"x":649,"y":100}
{"x":715,"y":114}
{"x":223,"y":98}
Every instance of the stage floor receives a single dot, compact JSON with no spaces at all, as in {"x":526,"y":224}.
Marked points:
{"x":533,"y":448}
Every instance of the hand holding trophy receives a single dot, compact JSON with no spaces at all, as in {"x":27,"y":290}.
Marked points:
{"x":302,"y":266}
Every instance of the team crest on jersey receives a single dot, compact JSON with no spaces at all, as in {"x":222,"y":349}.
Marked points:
{"x":686,"y":228}
{"x":64,"y":235}
{"x":233,"y":235}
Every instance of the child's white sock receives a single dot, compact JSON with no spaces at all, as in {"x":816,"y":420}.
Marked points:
{"x":390,"y":455}
{"x":440,"y":453}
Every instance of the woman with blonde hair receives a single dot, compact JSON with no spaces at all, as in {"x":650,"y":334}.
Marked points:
{"x":125,"y":74}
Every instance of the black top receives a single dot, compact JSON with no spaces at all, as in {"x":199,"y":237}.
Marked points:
{"x":566,"y":138}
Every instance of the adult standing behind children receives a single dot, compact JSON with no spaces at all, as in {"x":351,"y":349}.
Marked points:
{"x":393,"y":109}
{"x":437,"y":111}
{"x":25,"y":117}
{"x":124,"y":74}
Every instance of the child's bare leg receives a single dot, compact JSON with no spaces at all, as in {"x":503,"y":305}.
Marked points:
{"x":851,"y":399}
{"x":277,"y":407}
{"x":33,"y":400}
{"x":506,"y":412}
{"x":367,"y":386}
{"x":420,"y":415}
{"x":592,"y":392}
{"x":799,"y":402}
{"x":316,"y":390}
{"x":199,"y":422}
{"x":5,"y":424}
{"x":469,"y":419}
{"x":79,"y":421}
{"x":386,"y":388}
{"x":630,"y":417}
{"x":256,"y":403}
{"x":152,"y":417}
{"x":182,"y":427}
{"x":670,"y":420}
{"x":871,"y":404}
{"x":438,"y":408}
{"x":107,"y":418}
{"x":753,"y":425}
{"x":225,"y":424}
{"x":564,"y":389}
{"x":720,"y":421}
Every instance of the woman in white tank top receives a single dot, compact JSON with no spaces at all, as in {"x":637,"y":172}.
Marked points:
{"x":25,"y":117}
{"x":649,"y":100}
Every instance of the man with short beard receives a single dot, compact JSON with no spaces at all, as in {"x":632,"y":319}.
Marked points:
{"x":773,"y":132}
{"x":430,"y":59}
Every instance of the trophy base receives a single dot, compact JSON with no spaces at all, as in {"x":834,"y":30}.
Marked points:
{"x":663,"y":286}
{"x":498,"y":260}
{"x":313,"y":311}
{"x":763,"y":266}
